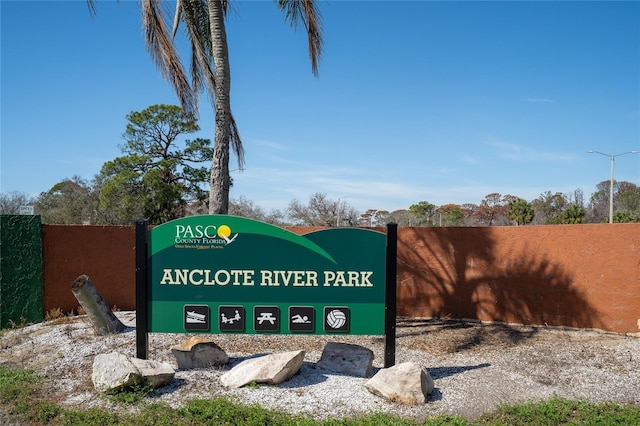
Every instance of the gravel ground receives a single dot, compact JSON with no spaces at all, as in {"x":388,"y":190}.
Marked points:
{"x":475,"y":366}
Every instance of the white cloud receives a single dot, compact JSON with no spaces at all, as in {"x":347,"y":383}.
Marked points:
{"x":469,"y":159}
{"x":540,"y":100}
{"x":516,"y":152}
{"x":271,"y":145}
{"x":274,"y":188}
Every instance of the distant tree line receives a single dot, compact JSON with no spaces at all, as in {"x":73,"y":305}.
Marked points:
{"x":76,"y":201}
{"x":161,"y":177}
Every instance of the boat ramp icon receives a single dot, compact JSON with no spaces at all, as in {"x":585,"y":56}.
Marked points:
{"x":196,"y":317}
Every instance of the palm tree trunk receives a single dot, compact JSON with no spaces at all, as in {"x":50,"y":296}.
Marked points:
{"x":219,"y":180}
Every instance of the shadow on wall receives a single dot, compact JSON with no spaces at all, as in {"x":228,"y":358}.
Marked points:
{"x":461,"y":273}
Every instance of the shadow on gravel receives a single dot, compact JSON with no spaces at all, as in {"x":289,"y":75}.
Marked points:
{"x":308,"y":375}
{"x":449,"y":336}
{"x":442,"y":372}
{"x":173,"y":386}
{"x":435,"y":395}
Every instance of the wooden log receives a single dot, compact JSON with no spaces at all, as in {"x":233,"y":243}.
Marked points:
{"x":102,"y":319}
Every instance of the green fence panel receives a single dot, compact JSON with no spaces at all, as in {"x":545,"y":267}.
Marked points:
{"x":20,"y":270}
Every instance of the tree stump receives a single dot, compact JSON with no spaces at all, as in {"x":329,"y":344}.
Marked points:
{"x":103,"y":320}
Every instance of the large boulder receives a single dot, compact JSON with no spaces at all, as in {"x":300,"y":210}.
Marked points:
{"x":346,"y":358}
{"x":115,"y":371}
{"x":406,"y":383}
{"x":199,"y":352}
{"x":270,"y":369}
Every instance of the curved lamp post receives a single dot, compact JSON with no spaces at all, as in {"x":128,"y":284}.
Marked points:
{"x":613,"y":159}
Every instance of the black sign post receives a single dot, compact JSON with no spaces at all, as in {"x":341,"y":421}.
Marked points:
{"x":390,"y":296}
{"x":142,"y":342}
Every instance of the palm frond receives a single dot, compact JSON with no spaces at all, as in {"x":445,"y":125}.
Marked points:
{"x":307,"y":12}
{"x":91,"y":4}
{"x":236,"y":142}
{"x":176,"y":18}
{"x":165,"y":55}
{"x":197,"y":22}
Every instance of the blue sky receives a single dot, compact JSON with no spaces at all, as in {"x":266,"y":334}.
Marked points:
{"x":416,"y":101}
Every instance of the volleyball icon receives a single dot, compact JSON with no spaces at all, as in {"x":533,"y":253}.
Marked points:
{"x":336,"y":319}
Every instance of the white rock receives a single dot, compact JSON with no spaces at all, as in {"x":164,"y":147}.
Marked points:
{"x":156,"y":374}
{"x":346,"y":358}
{"x":406,"y":383}
{"x":270,"y":369}
{"x":114,"y":371}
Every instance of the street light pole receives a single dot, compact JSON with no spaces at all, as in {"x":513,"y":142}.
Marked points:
{"x":613,"y":160}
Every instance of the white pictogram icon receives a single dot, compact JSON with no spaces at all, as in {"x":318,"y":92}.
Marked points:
{"x":266,"y":316}
{"x":195,"y":318}
{"x":336,"y":318}
{"x":226,"y":320}
{"x":297,"y":319}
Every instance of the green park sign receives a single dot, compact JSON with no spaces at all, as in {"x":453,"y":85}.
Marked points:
{"x":227,"y":274}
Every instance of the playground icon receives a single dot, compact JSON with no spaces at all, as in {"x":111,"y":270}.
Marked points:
{"x":231,"y":318}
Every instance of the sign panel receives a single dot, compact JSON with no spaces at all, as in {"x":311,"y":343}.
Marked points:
{"x":231,"y":318}
{"x":266,"y":319}
{"x":337,"y":319}
{"x":302,"y":319}
{"x":244,"y":276}
{"x":196,"y":318}
{"x":26,"y":210}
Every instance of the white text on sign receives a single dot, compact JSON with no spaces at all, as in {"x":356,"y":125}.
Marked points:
{"x":245,"y":277}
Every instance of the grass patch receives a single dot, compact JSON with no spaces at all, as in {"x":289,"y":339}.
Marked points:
{"x":561,"y":411}
{"x":18,"y":397}
{"x":16,"y":385}
{"x":130,"y":396}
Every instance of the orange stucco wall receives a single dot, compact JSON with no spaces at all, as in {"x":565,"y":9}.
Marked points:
{"x":105,"y":253}
{"x":585,"y":276}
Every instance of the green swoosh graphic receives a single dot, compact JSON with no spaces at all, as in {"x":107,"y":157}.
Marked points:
{"x":164,"y":236}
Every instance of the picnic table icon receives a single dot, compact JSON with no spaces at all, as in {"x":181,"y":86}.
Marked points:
{"x":266,"y":316}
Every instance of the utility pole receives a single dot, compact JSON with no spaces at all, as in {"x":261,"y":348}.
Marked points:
{"x":613,"y":160}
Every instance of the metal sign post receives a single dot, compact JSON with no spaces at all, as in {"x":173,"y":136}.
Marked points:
{"x":142,"y":342}
{"x":390,"y":296}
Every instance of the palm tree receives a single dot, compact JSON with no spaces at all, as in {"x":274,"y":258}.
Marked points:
{"x":205,"y":28}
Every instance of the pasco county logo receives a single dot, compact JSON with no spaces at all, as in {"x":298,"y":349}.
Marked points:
{"x":203,"y":236}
